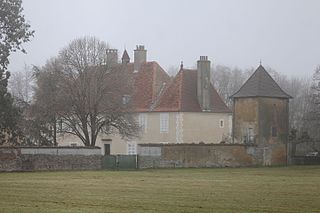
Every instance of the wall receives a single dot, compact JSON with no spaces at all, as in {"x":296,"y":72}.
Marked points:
{"x":304,"y":148}
{"x":304,"y":160}
{"x":182,"y":129}
{"x":273,"y":112}
{"x":49,"y":158}
{"x":261,"y":114}
{"x":245,"y":116}
{"x":209,"y":155}
{"x":205,"y":127}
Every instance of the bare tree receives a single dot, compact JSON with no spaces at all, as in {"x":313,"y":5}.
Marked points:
{"x":173,"y":70}
{"x":21,"y":84}
{"x":46,"y":105}
{"x":312,"y":118}
{"x":227,"y":81}
{"x":93,"y":97}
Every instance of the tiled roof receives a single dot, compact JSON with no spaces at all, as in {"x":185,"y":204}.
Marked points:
{"x":148,"y":83}
{"x":260,"y":84}
{"x":181,"y":95}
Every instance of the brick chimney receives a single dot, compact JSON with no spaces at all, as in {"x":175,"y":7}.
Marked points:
{"x":203,"y":83}
{"x":112,"y":57}
{"x":140,"y":56}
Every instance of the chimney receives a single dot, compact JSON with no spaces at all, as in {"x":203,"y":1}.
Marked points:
{"x":203,"y":83}
{"x":112,"y":57}
{"x":140,"y":56}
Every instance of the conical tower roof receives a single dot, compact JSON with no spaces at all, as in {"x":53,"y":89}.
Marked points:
{"x":125,"y":56}
{"x":260,"y":84}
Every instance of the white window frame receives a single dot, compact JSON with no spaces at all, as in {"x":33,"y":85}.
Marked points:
{"x":143,"y":121}
{"x":132,"y":148}
{"x":164,"y":122}
{"x":221,"y":121}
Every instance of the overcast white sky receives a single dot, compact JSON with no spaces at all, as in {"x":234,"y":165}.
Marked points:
{"x":285,"y":34}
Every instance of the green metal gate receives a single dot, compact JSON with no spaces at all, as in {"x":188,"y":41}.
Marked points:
{"x":109,"y":162}
{"x":125,"y":162}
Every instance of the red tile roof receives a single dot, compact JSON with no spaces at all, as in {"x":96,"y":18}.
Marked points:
{"x":181,"y":95}
{"x":148,"y":83}
{"x":155,"y":92}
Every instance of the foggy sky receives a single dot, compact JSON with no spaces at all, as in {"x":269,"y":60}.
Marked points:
{"x":283,"y":34}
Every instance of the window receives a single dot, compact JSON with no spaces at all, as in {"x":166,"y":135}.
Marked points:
{"x":221,"y":123}
{"x":164,"y":122}
{"x":126,"y":99}
{"x":274,"y":131}
{"x":143,"y":121}
{"x":249,"y":138}
{"x":131,"y":148}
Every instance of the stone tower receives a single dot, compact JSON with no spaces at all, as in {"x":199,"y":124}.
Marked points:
{"x":203,"y":83}
{"x":261,"y":116}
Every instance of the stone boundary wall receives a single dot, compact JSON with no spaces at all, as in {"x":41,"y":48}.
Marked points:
{"x":306,"y":160}
{"x":303,"y":148}
{"x":209,"y":155}
{"x":49,"y":158}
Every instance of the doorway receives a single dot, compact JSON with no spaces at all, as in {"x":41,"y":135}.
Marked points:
{"x":106,"y":149}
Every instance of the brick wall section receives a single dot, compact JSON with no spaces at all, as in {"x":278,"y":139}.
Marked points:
{"x":39,"y":159}
{"x":209,"y":155}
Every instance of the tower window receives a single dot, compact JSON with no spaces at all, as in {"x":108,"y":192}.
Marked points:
{"x":274,"y":131}
{"x":221,"y":123}
{"x":250,"y":135}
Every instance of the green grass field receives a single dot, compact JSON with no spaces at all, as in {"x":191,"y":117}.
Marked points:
{"x":277,"y":189}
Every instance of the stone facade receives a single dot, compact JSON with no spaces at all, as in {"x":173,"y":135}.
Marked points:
{"x":43,"y":159}
{"x":208,"y":155}
{"x":260,"y":120}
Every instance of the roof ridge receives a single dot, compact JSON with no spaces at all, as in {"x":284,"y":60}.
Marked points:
{"x":278,"y":84}
{"x":244,"y":83}
{"x":180,"y":90}
{"x":260,"y":84}
{"x":259,"y":79}
{"x":153,"y":81}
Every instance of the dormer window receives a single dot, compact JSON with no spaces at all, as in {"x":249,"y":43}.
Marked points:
{"x":126,"y":99}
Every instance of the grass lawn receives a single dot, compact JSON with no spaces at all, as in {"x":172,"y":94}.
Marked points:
{"x":276,"y":189}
